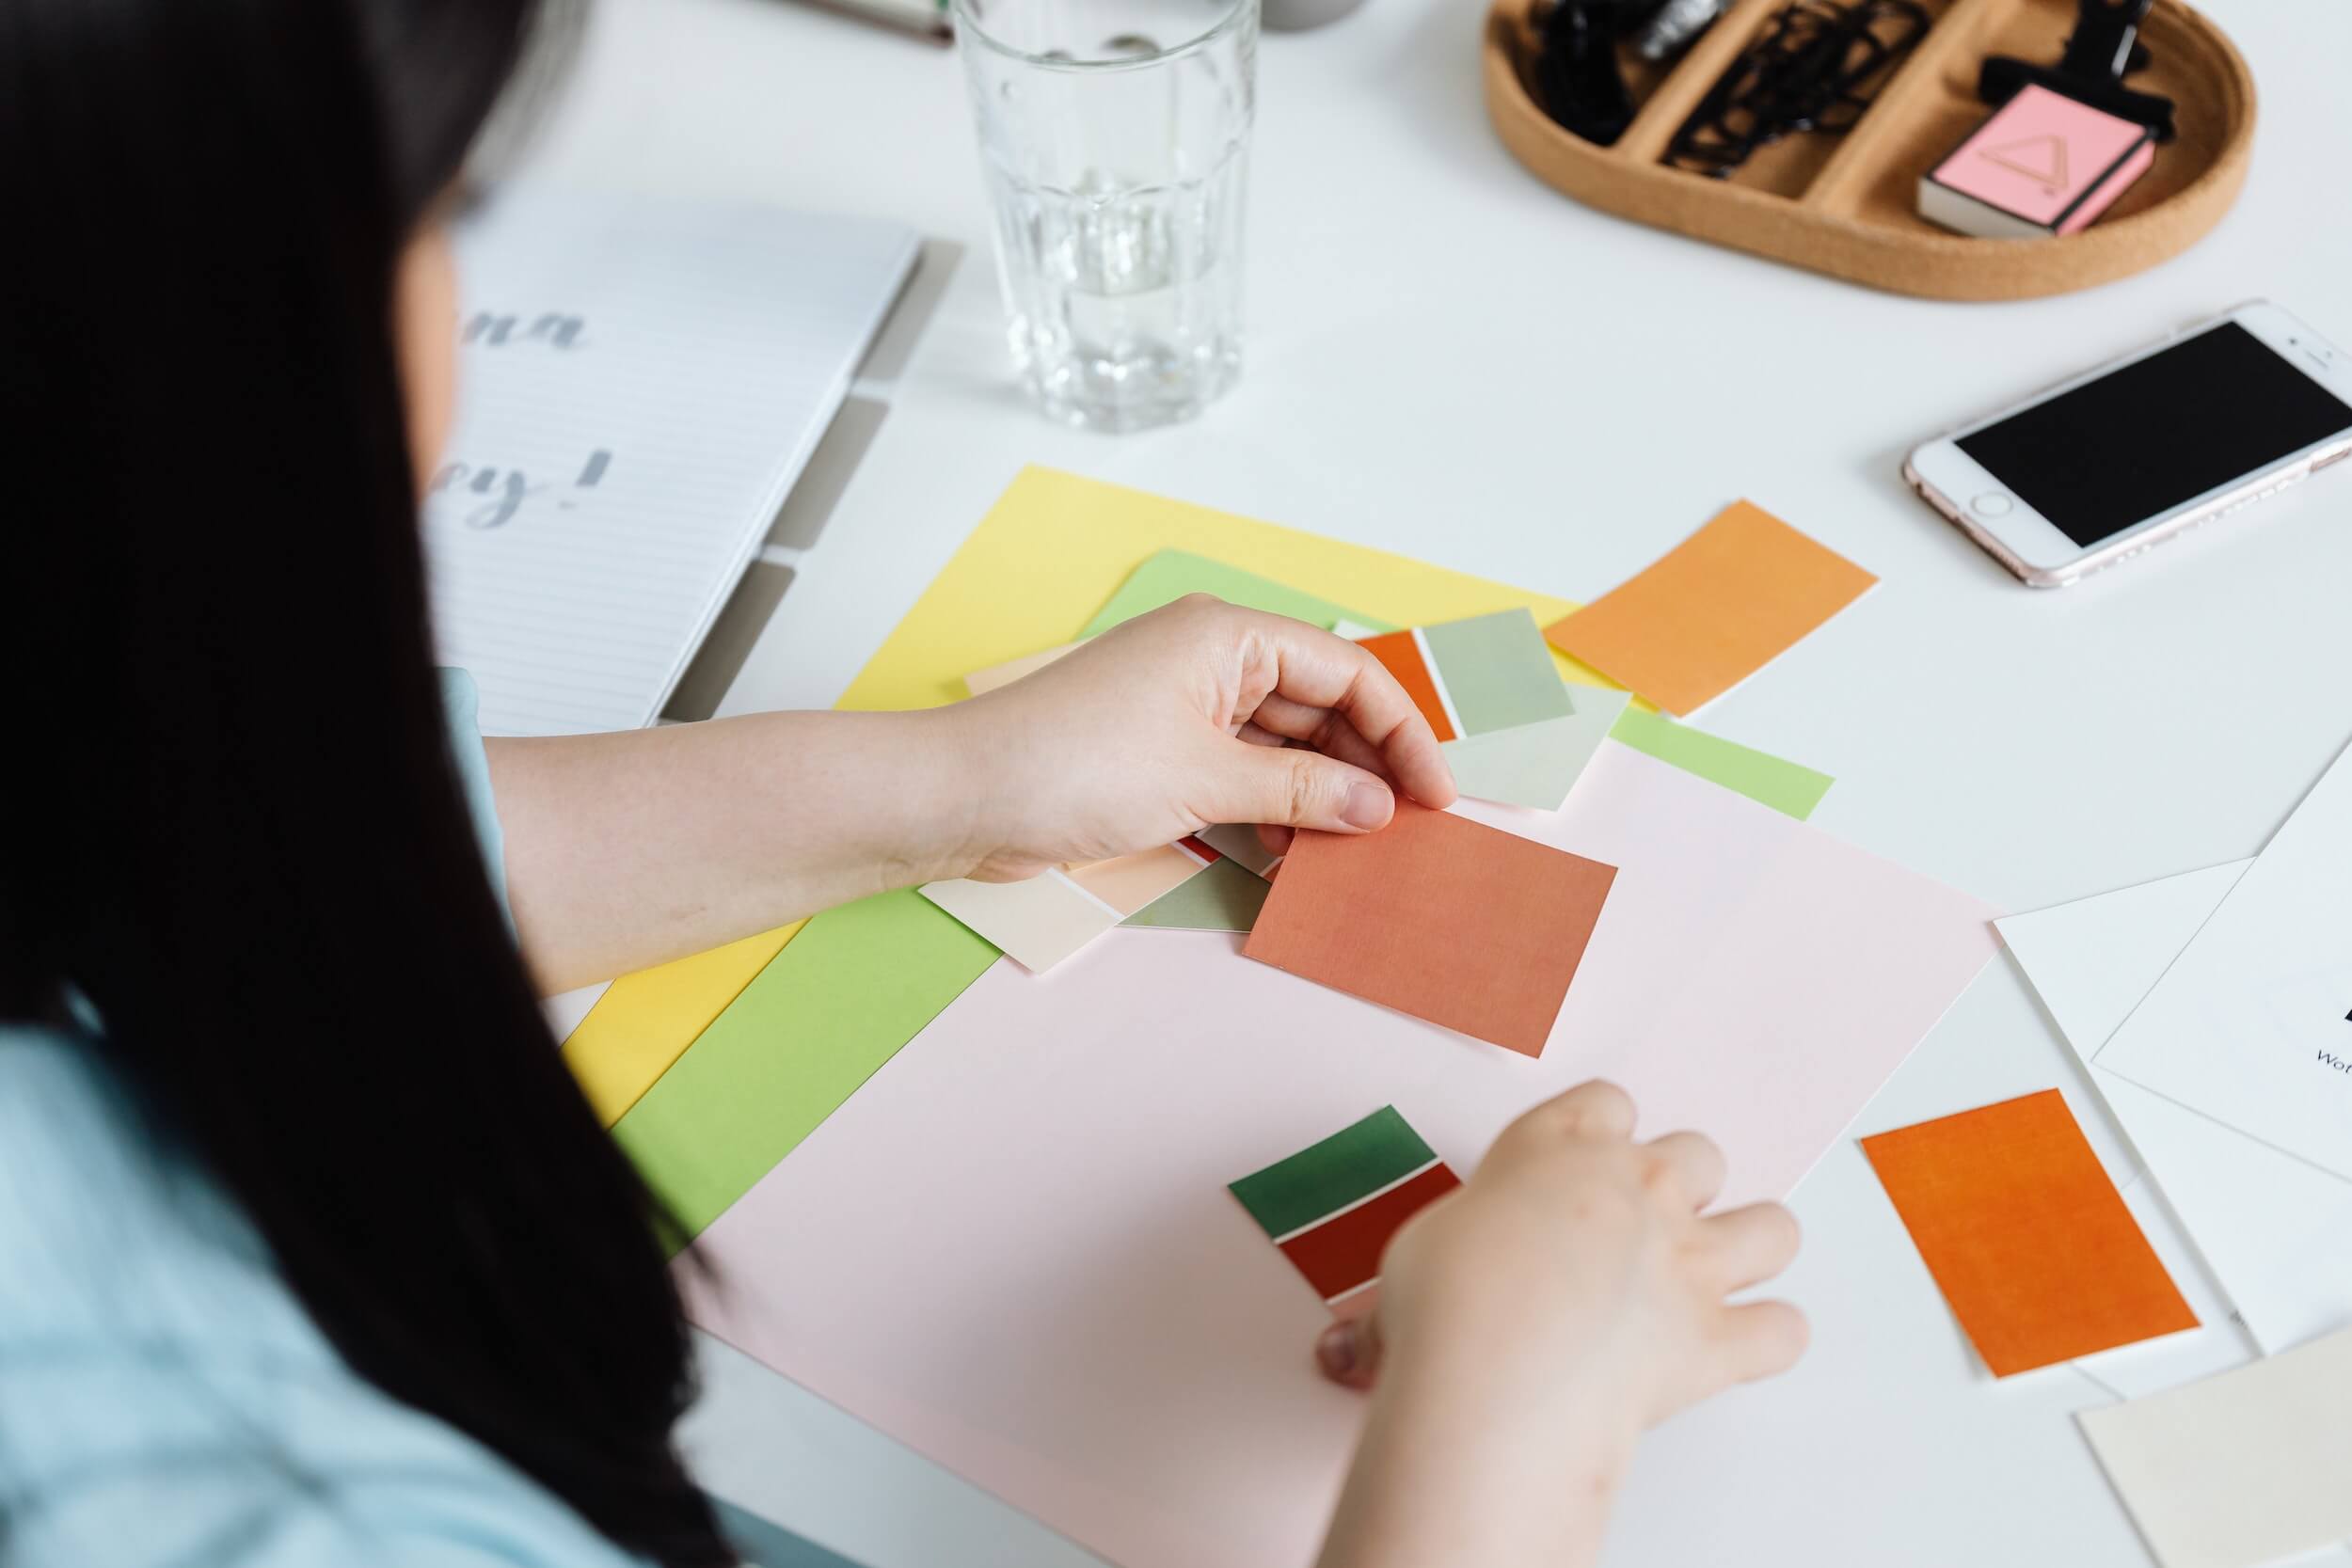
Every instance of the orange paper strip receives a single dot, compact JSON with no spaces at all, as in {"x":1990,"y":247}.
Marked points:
{"x":1396,"y":650}
{"x":2027,"y":1238}
{"x":1437,"y":916}
{"x":1713,"y":610}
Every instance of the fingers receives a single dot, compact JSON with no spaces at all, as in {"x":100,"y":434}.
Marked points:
{"x":1349,"y":1351}
{"x":1296,"y":788}
{"x":1319,"y":728}
{"x":1317,"y":670}
{"x":1594,"y":1109}
{"x":1693,"y":1164}
{"x":1747,"y":1247}
{"x":1762,"y":1339}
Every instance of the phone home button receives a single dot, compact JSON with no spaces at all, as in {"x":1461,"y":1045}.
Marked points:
{"x":1992,"y":504}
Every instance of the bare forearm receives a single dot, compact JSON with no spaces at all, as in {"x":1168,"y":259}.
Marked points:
{"x":628,"y":849}
{"x":1441,"y":1478}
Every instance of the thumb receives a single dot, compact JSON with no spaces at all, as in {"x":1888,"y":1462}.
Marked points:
{"x":1291,"y":787}
{"x":1349,"y":1350}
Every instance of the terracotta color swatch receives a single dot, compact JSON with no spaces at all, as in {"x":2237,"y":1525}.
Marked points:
{"x":1441,"y":917}
{"x":2027,"y":1238}
{"x":1713,"y":610}
{"x":1332,"y":1206}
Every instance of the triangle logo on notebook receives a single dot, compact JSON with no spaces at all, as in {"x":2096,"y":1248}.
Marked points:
{"x":2041,"y":159}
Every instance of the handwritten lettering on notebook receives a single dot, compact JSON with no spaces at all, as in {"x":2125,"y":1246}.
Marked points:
{"x":639,"y":383}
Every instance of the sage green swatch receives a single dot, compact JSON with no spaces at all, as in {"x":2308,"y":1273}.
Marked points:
{"x":1353,"y":1163}
{"x":1172,"y":574}
{"x":821,"y":1018}
{"x":1498,"y":671}
{"x":1787,"y":787}
{"x":1224,"y":897}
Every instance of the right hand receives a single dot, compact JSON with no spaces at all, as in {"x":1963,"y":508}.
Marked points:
{"x":1534,"y":1322}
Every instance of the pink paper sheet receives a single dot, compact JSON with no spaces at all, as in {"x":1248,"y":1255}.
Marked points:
{"x":1013,"y":1249}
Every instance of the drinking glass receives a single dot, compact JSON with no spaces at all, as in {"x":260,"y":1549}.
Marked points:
{"x":1115,"y":138}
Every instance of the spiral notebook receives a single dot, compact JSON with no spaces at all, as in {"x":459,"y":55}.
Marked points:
{"x":641,"y":382}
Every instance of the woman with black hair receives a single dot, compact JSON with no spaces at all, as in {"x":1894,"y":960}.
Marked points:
{"x":310,"y":1250}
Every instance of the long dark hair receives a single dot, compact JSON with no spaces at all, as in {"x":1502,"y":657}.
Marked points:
{"x":232,"y":822}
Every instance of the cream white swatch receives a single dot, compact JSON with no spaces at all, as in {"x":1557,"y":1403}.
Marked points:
{"x":2240,"y":1470}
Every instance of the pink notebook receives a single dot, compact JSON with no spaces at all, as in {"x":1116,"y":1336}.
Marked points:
{"x":2043,"y":165}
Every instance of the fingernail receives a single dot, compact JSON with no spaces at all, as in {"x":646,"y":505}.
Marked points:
{"x":1368,"y":806}
{"x":1336,"y":1349}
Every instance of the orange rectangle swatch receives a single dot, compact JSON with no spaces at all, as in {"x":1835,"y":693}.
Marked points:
{"x":1398,"y":652}
{"x":1713,"y":610}
{"x":2027,"y":1238}
{"x":1437,"y":916}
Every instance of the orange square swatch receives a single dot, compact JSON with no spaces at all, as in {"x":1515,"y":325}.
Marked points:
{"x":1437,"y":916}
{"x":2027,"y":1238}
{"x":1713,"y":610}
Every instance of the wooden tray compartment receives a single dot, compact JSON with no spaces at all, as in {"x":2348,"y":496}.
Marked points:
{"x":1843,"y":204}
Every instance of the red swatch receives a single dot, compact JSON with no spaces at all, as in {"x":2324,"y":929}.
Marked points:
{"x":1343,"y":1251}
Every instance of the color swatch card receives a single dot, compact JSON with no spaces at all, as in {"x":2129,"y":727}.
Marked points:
{"x":1332,"y":1206}
{"x":1225,"y":897}
{"x":1713,"y":610}
{"x":1106,"y":1109}
{"x":1042,"y":921}
{"x":2025,"y":1235}
{"x":1489,"y":690}
{"x":2240,"y":1470}
{"x":1441,"y":917}
{"x":2252,"y":1023}
{"x":2275,"y":1230}
{"x":1171,"y":575}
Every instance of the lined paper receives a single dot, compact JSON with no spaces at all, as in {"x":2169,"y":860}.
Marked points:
{"x":640,"y":381}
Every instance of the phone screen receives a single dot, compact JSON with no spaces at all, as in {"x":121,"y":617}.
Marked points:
{"x":2158,"y":433}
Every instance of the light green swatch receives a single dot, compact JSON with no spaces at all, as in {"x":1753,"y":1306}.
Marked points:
{"x":1224,"y":897}
{"x":1787,"y":787}
{"x":1498,"y":671}
{"x":1172,"y":574}
{"x":1536,"y":764}
{"x":838,"y":1002}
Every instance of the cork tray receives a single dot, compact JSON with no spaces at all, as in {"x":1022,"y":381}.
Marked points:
{"x":1843,"y":204}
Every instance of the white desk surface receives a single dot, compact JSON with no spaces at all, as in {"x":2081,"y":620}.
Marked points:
{"x":1447,"y":359}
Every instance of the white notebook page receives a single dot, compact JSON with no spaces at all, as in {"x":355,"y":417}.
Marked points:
{"x":640,"y":381}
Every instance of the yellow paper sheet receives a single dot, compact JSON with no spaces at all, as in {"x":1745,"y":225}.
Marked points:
{"x":1055,"y":547}
{"x":645,"y":1021}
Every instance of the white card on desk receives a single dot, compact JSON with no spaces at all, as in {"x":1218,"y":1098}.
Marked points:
{"x":2250,"y":1026}
{"x":641,"y":382}
{"x":2243,"y":1468}
{"x":2275,"y":1230}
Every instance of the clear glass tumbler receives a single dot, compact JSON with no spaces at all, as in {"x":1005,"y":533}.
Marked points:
{"x":1115,"y":135}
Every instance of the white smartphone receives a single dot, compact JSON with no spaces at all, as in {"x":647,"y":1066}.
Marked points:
{"x":2100,"y":468}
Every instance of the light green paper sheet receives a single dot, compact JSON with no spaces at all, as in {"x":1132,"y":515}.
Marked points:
{"x":1172,"y":574}
{"x":828,"y":1012}
{"x":1225,"y":897}
{"x":1787,"y":787}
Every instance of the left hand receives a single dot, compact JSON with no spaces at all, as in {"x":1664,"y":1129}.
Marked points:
{"x":1198,"y":713}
